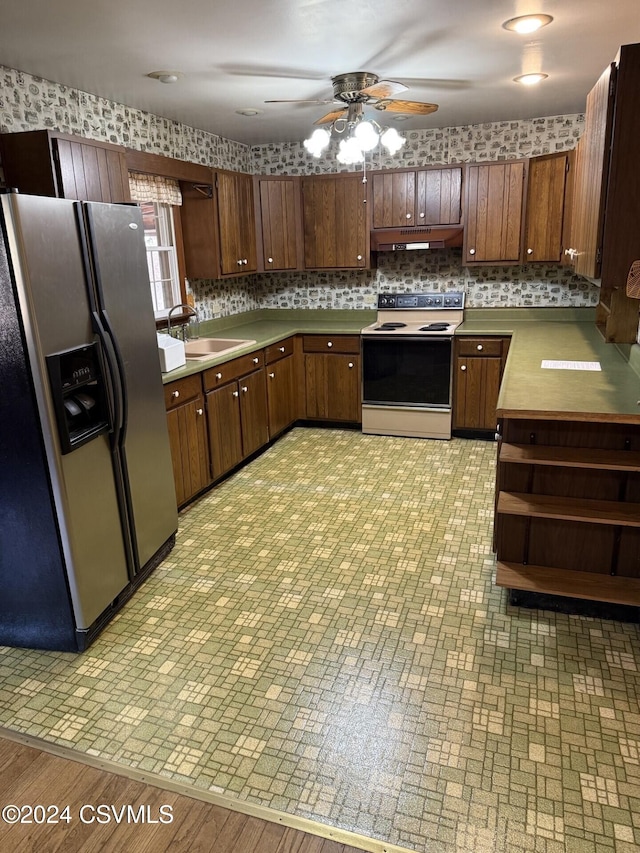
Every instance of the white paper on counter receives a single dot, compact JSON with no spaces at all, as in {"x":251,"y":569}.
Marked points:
{"x":570,"y":365}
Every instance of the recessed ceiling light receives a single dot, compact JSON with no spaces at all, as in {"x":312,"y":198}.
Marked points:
{"x":401,"y":118}
{"x":165,"y":76}
{"x":249,"y":111}
{"x":527,"y":23}
{"x":530,"y":79}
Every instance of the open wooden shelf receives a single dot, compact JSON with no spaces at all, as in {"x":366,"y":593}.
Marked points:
{"x":569,"y":509}
{"x":570,"y":457}
{"x":615,"y":589}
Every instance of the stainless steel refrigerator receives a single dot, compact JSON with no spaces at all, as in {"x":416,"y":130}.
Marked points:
{"x":87,"y":497}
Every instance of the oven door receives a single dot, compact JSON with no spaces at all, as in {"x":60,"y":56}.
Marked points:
{"x":406,"y":371}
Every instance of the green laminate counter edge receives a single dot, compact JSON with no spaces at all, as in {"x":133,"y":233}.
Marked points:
{"x":530,"y":391}
{"x":269,"y":325}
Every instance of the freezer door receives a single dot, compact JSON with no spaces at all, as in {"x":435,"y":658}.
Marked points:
{"x":116,"y":237}
{"x":55,"y":307}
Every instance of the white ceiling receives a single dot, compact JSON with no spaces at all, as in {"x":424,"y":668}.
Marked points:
{"x":235,"y":54}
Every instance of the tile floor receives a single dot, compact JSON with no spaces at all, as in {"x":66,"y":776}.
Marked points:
{"x":326,"y":639}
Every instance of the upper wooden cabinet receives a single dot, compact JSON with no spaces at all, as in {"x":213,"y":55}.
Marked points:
{"x":279,"y":222}
{"x":335,"y":221}
{"x":407,"y":198}
{"x":494,"y":212}
{"x":44,"y":162}
{"x":546,"y":205}
{"x":219,"y":227}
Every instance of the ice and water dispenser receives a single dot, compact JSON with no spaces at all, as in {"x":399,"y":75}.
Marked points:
{"x":79,"y":396}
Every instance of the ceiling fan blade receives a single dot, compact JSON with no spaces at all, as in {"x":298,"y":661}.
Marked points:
{"x":384,"y":89}
{"x":410,"y":107}
{"x":332,"y":116}
{"x":315,"y":101}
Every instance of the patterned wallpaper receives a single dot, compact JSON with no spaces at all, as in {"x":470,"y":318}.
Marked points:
{"x":29,"y":103}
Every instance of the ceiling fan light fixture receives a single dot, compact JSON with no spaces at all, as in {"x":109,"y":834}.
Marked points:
{"x":392,"y":140}
{"x":349,"y":152}
{"x":366,"y":135}
{"x":525,"y":24}
{"x":317,"y":142}
{"x":530,"y":79}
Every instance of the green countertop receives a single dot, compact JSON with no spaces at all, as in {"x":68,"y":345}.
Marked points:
{"x":527,"y":390}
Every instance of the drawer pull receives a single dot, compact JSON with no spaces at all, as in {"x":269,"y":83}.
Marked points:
{"x":244,"y":389}
{"x":350,"y":364}
{"x":271,"y":375}
{"x":479,"y":347}
{"x":329,"y":343}
{"x":175,"y":394}
{"x":464,"y":367}
{"x":281,"y":349}
{"x":236,"y":394}
{"x":198,"y":411}
{"x":255,"y":360}
{"x":218,"y":376}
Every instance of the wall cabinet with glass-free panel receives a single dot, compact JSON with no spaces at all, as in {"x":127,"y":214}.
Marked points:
{"x":548,"y":205}
{"x":407,"y":198}
{"x":494,"y":212}
{"x":336,"y":222}
{"x":186,"y":421}
{"x":45,"y":162}
{"x":278,"y":211}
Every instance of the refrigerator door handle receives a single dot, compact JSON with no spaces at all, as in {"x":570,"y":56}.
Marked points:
{"x":115,"y":388}
{"x":121,"y":381}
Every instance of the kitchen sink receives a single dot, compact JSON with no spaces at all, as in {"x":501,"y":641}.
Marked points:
{"x":202,"y":348}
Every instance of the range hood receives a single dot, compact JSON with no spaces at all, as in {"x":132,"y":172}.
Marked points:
{"x":401,"y":239}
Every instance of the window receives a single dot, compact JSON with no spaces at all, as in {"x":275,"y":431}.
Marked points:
{"x":162,"y":259}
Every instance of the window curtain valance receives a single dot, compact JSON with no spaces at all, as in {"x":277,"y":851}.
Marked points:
{"x":154,"y":188}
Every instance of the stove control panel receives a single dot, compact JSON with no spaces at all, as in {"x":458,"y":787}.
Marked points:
{"x":433,"y":301}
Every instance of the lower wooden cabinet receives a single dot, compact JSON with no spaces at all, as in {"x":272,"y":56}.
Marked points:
{"x":478,"y":368}
{"x":237,"y":420}
{"x":281,"y":395}
{"x":332,"y":378}
{"x":187,"y":437}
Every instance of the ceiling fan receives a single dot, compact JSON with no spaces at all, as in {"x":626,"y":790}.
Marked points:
{"x":365,"y":89}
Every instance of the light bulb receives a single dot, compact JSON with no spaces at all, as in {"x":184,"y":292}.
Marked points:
{"x":530,"y":79}
{"x":366,"y":135}
{"x":392,"y":140}
{"x":317,"y":142}
{"x":527,"y":23}
{"x":349,"y":152}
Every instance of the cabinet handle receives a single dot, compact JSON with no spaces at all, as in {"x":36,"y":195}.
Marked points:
{"x":479,"y":347}
{"x":422,"y":216}
{"x":239,"y":262}
{"x":245,"y":261}
{"x":329,"y":344}
{"x":350,"y":364}
{"x":236,"y":394}
{"x":218,"y":376}
{"x":175,"y":394}
{"x":244,"y":389}
{"x":198,"y":411}
{"x":255,"y":360}
{"x":359,"y":257}
{"x":281,"y":349}
{"x":472,"y":251}
{"x":573,"y":253}
{"x":408,"y":216}
{"x":270,"y":260}
{"x":529,"y":251}
{"x":271,"y":375}
{"x":464,"y":367}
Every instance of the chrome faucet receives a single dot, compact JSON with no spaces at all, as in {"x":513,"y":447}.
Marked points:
{"x":193,"y":313}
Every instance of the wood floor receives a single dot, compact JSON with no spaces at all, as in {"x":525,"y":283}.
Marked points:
{"x":29,"y":776}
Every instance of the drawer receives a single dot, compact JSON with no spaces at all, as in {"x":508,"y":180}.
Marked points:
{"x":280,"y":350}
{"x":479,"y":346}
{"x":332,"y":343}
{"x":234,"y":369}
{"x":182,"y":390}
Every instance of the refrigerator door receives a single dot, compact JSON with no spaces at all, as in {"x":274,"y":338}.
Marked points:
{"x":54,"y":301}
{"x":116,"y":238}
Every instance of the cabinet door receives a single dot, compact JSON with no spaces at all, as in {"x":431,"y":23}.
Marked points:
{"x":281,"y":395}
{"x":253,"y":412}
{"x":438,"y":197}
{"x":332,"y":386}
{"x":494,"y":212}
{"x":236,"y":222}
{"x":280,"y":223}
{"x":335,"y":222}
{"x":394,"y":198}
{"x":477,"y":385}
{"x":90,"y":173}
{"x":545,"y":208}
{"x":189,"y":455}
{"x":592,"y":160}
{"x":225,"y":436}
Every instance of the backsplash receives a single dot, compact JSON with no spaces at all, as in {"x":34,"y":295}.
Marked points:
{"x":30,"y":103}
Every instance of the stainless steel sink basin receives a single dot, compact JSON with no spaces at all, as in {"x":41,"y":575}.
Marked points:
{"x":202,"y":348}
